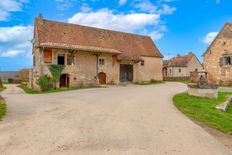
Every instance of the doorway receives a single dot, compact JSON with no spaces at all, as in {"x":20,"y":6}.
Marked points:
{"x":126,"y":73}
{"x":64,"y":80}
{"x":102,"y":77}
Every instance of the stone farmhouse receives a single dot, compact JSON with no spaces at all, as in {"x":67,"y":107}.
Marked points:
{"x":218,"y":57}
{"x":180,"y":67}
{"x":92,"y":55}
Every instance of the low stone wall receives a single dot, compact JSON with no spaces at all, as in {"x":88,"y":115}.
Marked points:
{"x":203,"y":92}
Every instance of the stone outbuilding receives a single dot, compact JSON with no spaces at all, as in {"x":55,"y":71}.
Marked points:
{"x":218,"y":57}
{"x":92,"y":55}
{"x":180,"y":67}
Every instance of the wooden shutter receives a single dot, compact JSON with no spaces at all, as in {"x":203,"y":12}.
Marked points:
{"x":221,"y":61}
{"x":47,"y":56}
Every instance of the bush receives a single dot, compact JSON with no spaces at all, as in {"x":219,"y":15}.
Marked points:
{"x":10,"y":80}
{"x":45,"y":83}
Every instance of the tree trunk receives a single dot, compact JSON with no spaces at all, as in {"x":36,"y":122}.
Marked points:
{"x":1,"y":85}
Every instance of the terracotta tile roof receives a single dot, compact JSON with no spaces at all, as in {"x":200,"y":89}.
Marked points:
{"x":179,"y":61}
{"x":72,"y":36}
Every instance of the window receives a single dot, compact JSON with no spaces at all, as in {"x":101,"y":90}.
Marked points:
{"x":142,"y":63}
{"x":179,"y":70}
{"x":227,"y":60}
{"x":70,"y":60}
{"x":102,"y":61}
{"x":47,"y":55}
{"x":170,"y":71}
{"x":33,"y":60}
{"x":61,"y":60}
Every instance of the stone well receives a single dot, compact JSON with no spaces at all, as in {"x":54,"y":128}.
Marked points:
{"x":202,"y":88}
{"x":209,"y":92}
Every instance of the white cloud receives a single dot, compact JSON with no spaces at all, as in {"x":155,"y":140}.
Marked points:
{"x":85,"y":8}
{"x":166,"y":9}
{"x":218,"y":1}
{"x":146,"y":6}
{"x":15,"y":41}
{"x":64,"y":4}
{"x":122,"y":2}
{"x":120,"y":22}
{"x":209,"y":38}
{"x":9,"y":6}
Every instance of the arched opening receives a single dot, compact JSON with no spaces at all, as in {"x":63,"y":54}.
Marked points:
{"x":64,"y":80}
{"x":102,"y":77}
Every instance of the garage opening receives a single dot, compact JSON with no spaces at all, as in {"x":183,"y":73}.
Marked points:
{"x":64,"y":80}
{"x":126,"y":73}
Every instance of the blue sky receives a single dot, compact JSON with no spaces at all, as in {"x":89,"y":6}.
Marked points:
{"x":176,"y":26}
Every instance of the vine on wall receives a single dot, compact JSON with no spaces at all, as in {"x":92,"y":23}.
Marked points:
{"x":56,"y":71}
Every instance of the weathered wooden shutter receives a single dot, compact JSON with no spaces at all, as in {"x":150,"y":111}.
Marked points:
{"x":221,"y":61}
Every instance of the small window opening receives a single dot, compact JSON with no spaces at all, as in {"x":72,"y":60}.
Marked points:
{"x":142,"y":63}
{"x":61,"y":60}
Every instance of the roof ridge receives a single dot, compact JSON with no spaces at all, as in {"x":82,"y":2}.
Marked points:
{"x":139,"y":35}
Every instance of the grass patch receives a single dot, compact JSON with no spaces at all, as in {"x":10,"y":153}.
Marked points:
{"x":2,"y":105}
{"x":1,"y":89}
{"x":32,"y":91}
{"x":204,"y":110}
{"x":151,"y":82}
{"x":183,"y":81}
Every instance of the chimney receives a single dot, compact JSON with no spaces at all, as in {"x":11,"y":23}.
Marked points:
{"x":40,"y":19}
{"x":178,"y":55}
{"x":190,"y":53}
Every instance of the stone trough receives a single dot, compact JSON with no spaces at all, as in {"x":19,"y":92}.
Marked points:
{"x":224,"y":106}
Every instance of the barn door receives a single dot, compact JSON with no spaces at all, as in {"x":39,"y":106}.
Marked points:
{"x":126,"y":73}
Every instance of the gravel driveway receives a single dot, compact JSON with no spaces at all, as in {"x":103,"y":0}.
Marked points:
{"x":134,"y":120}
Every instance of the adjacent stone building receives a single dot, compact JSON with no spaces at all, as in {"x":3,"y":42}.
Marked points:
{"x":180,"y":67}
{"x":218,"y":57}
{"x":92,"y":55}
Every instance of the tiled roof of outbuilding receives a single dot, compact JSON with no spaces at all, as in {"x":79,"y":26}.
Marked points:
{"x":72,"y":36}
{"x":179,"y":61}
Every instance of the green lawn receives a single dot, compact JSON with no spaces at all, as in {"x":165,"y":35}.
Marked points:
{"x":31,"y":91}
{"x":149,"y":82}
{"x":183,"y":81}
{"x":203,"y":110}
{"x":2,"y":105}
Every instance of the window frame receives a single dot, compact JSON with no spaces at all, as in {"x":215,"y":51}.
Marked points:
{"x":142,"y":62}
{"x":102,"y":61}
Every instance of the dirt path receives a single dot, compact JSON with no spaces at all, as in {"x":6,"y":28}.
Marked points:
{"x":135,"y":120}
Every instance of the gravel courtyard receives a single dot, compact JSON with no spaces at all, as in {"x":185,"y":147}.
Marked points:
{"x":133,"y":120}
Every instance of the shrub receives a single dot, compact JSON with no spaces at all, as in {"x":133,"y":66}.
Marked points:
{"x":45,"y":83}
{"x":10,"y":80}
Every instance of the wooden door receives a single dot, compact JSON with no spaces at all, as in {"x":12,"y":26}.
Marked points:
{"x":102,"y":77}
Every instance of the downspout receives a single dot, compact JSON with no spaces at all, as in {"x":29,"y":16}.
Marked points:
{"x":97,"y":67}
{"x":42,"y":63}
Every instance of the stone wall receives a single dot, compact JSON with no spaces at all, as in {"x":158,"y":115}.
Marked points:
{"x":222,"y":45}
{"x":83,"y":70}
{"x":152,"y":69}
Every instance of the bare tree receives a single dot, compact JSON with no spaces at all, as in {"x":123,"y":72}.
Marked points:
{"x":1,"y":85}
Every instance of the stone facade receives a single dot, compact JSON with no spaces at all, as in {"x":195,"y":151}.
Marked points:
{"x":218,"y":57}
{"x":83,"y":70}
